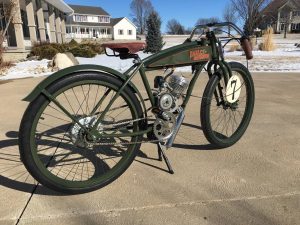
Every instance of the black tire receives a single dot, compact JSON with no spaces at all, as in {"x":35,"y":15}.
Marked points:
{"x":212,"y":98}
{"x":35,"y":159}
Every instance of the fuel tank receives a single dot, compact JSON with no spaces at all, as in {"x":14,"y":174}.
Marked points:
{"x":188,"y":53}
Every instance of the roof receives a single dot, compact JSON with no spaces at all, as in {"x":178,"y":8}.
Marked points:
{"x":61,"y":5}
{"x":89,"y":10}
{"x":277,"y":4}
{"x":114,"y":21}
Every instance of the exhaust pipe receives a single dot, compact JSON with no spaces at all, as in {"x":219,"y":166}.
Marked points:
{"x":179,"y":121}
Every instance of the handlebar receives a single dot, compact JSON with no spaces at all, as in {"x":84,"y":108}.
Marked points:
{"x":245,"y":42}
{"x":224,"y":24}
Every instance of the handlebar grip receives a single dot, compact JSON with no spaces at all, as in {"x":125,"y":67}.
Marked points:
{"x":247,"y":47}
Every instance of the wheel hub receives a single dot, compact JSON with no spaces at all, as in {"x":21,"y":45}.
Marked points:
{"x":79,"y":137}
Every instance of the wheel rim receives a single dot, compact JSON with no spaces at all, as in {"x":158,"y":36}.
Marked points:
{"x":226,"y":118}
{"x":55,"y":152}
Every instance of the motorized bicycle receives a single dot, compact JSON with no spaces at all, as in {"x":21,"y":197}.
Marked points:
{"x":85,"y":124}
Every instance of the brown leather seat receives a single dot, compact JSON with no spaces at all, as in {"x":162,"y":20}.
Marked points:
{"x":129,"y":47}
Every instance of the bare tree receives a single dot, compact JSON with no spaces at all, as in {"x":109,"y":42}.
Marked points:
{"x":229,"y":15}
{"x":175,"y":27}
{"x":249,"y":12}
{"x":202,"y":21}
{"x":140,"y":10}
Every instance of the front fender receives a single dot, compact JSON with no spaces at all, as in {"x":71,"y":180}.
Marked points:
{"x":75,"y":69}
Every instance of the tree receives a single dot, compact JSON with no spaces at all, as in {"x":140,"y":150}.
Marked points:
{"x":229,"y":15}
{"x":140,"y":10}
{"x":154,"y":38}
{"x":249,"y":11}
{"x":202,"y":21}
{"x":188,"y":30}
{"x":174,"y":27}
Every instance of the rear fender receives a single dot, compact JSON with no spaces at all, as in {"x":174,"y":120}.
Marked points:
{"x":79,"y":69}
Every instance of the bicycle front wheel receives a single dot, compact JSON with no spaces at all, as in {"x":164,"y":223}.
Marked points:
{"x":227,"y":108}
{"x":57,"y":151}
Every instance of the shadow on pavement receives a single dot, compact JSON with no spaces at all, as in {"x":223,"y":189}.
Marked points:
{"x":14,"y":175}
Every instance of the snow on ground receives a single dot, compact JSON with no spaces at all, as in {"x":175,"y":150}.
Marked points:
{"x":27,"y":69}
{"x":285,"y":58}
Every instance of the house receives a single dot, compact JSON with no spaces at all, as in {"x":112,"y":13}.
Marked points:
{"x":89,"y":22}
{"x":33,"y":21}
{"x":282,"y":15}
{"x":123,"y":29}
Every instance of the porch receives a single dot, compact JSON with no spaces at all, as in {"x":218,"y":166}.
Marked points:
{"x":80,"y":32}
{"x":35,"y":21}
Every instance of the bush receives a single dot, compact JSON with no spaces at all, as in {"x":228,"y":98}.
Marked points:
{"x":49,"y":50}
{"x":83,"y":51}
{"x":268,"y":43}
{"x":73,"y":43}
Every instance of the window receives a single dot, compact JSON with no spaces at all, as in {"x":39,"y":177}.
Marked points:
{"x":121,"y":32}
{"x":103,"y":19}
{"x":295,"y":26}
{"x":129,"y":32}
{"x":80,"y":18}
{"x":296,"y":13}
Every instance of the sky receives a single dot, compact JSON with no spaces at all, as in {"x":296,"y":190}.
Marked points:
{"x":187,"y":12}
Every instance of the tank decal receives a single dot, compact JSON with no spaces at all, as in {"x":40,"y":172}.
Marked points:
{"x":182,"y":58}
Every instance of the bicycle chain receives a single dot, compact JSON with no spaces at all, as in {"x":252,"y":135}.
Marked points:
{"x":123,"y":143}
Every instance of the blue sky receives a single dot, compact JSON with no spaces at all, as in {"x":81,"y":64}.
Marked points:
{"x":186,"y":11}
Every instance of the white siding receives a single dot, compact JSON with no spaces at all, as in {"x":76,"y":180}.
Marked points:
{"x":126,"y":27}
{"x":93,"y":19}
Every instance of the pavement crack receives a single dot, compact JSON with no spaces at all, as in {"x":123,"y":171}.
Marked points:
{"x":27,"y":203}
{"x":109,"y":212}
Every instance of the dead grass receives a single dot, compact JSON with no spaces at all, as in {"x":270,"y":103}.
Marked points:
{"x":268,"y":42}
{"x":4,"y":67}
{"x":235,"y":47}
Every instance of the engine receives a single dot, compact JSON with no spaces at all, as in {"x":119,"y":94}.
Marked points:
{"x":170,"y":91}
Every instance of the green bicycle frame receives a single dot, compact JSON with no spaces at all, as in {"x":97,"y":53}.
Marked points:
{"x":196,"y":54}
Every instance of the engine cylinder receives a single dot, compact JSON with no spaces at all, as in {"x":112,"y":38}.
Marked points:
{"x":179,"y":84}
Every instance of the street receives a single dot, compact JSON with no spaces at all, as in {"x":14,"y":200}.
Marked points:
{"x":257,"y":181}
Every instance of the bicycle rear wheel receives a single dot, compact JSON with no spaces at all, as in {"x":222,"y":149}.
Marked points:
{"x":57,"y":152}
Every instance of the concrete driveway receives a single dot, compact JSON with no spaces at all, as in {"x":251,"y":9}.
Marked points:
{"x":257,"y":181}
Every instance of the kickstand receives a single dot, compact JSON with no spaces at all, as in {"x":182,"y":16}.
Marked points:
{"x":162,"y":155}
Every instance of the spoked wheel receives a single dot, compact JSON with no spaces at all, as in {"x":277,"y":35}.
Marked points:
{"x":59,"y":153}
{"x":226,"y":109}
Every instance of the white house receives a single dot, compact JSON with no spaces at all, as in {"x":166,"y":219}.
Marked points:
{"x":89,"y":22}
{"x":123,"y":29}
